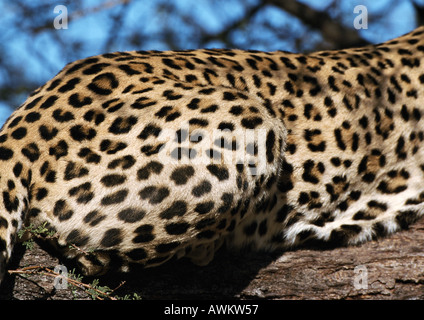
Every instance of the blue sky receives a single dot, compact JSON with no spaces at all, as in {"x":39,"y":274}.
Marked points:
{"x":93,"y":29}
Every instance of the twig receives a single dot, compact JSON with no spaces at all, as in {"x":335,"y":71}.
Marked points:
{"x":83,"y":286}
{"x":78,"y":249}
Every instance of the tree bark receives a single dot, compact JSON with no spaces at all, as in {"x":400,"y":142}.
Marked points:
{"x":390,"y":268}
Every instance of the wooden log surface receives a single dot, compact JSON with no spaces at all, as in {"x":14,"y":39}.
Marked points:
{"x":389,"y":268}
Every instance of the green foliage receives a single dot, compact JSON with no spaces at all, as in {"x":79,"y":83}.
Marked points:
{"x":40,"y":231}
{"x":95,"y":290}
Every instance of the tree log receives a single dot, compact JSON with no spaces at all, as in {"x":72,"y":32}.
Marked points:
{"x":389,"y":268}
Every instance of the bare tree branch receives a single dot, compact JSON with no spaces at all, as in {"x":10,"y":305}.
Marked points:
{"x":224,"y":34}
{"x":332,"y":31}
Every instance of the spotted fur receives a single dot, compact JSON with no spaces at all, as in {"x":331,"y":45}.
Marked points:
{"x":136,"y":157}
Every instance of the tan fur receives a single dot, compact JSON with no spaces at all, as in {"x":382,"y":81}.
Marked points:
{"x":132,"y":157}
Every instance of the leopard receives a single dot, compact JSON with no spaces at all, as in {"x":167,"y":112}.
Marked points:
{"x":134,"y":158}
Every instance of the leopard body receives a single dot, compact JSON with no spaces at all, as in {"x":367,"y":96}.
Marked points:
{"x":132,"y":158}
